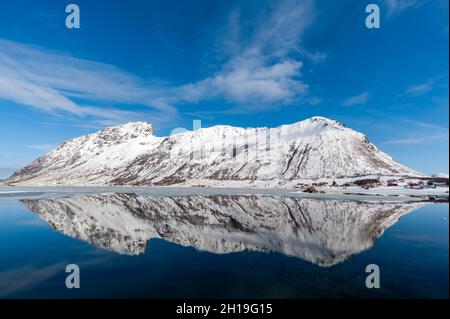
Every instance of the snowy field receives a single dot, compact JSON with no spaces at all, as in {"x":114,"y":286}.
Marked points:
{"x":380,"y":194}
{"x":386,"y":191}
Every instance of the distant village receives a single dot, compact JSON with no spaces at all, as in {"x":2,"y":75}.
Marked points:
{"x":419,"y":183}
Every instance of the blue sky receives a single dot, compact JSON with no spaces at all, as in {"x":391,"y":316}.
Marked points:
{"x":244,"y":63}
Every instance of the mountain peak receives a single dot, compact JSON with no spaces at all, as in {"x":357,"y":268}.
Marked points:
{"x":132,"y":126}
{"x":129,"y":129}
{"x":324,"y":121}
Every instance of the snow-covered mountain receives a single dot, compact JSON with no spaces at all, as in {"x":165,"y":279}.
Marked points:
{"x":130,"y":154}
{"x":319,"y":231}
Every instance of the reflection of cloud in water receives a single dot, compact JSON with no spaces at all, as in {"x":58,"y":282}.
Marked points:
{"x":319,"y":231}
{"x":31,"y":276}
{"x":26,"y":277}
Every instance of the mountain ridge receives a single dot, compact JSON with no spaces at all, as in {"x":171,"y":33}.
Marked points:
{"x":130,"y":154}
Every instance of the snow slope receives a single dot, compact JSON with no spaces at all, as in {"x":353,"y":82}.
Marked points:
{"x":313,"y":149}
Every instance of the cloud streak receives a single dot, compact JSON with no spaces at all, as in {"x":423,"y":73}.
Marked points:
{"x":55,"y":83}
{"x":27,"y":277}
{"x":264,"y":69}
{"x":396,"y":7}
{"x":419,"y":89}
{"x":431,"y":132}
{"x":359,"y":99}
{"x":418,"y":139}
{"x":248,"y":81}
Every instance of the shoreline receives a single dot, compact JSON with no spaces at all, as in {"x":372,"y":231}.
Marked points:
{"x":330,"y":193}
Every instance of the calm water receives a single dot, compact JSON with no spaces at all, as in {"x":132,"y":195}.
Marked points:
{"x":253,"y":246}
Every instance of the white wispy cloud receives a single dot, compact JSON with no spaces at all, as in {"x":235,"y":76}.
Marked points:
{"x":55,"y":83}
{"x":250,"y":80}
{"x":418,"y":139}
{"x":421,"y":132}
{"x":261,"y":69}
{"x":357,"y":99}
{"x":419,"y":89}
{"x":422,"y":124}
{"x":396,"y":7}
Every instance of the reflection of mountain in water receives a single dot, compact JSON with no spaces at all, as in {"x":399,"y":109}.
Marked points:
{"x":322,"y":232}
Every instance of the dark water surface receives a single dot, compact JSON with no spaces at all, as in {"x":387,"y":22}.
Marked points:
{"x":221,"y":246}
